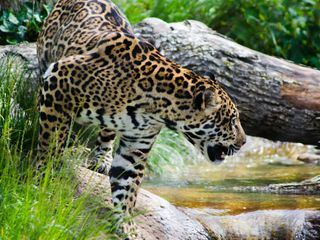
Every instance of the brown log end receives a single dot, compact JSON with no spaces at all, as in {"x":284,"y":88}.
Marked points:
{"x":301,"y":97}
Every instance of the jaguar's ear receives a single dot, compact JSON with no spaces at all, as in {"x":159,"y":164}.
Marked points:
{"x":210,"y":75}
{"x":207,"y":101}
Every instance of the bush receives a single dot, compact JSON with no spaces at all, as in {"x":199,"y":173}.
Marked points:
{"x":23,"y":25}
{"x":168,"y":10}
{"x":170,"y":149}
{"x":284,"y":28}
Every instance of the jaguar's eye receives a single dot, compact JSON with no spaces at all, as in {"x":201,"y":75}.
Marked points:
{"x":234,"y":124}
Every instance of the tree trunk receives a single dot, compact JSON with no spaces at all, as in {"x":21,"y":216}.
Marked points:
{"x":277,"y":99}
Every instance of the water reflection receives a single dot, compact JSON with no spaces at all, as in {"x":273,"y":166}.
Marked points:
{"x":233,"y":203}
{"x":198,"y":183}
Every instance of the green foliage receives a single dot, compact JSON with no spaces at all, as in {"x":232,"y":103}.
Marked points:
{"x":135,"y":10}
{"x":179,"y":10}
{"x":168,"y":10}
{"x":49,"y":209}
{"x":285,"y":28}
{"x":23,"y":25}
{"x":33,"y":208}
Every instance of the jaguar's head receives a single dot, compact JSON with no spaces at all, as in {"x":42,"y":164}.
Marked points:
{"x":215,"y":126}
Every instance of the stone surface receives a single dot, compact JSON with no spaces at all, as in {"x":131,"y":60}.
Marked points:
{"x":310,"y":158}
{"x":24,"y":55}
{"x":267,"y":225}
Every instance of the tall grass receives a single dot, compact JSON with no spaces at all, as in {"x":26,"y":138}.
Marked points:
{"x":33,"y":207}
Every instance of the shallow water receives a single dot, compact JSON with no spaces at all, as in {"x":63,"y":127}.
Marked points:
{"x":200,"y":184}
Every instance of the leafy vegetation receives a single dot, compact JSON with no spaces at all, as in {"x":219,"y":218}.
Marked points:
{"x":33,"y":207}
{"x":284,"y":28}
{"x":23,"y":25}
{"x":168,"y":10}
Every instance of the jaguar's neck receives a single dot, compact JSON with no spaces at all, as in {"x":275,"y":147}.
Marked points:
{"x":173,"y":92}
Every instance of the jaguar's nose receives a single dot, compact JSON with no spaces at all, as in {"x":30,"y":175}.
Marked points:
{"x":241,"y":136}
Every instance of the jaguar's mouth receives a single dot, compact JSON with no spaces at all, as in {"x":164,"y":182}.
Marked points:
{"x":217,"y":153}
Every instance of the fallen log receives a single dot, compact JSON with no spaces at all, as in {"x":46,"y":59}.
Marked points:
{"x":306,"y":187}
{"x":161,"y":220}
{"x":277,"y":99}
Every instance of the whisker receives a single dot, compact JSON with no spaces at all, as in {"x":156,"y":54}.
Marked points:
{"x":235,"y":147}
{"x":229,"y":152}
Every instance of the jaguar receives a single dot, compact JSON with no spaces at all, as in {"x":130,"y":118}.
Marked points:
{"x":95,"y":70}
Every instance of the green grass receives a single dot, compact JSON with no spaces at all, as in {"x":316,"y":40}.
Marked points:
{"x":32,"y":208}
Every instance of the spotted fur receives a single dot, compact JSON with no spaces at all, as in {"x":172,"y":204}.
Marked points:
{"x":97,"y":71}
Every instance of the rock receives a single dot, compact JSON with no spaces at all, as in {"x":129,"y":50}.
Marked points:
{"x":275,"y":224}
{"x":26,"y":51}
{"x":24,"y":55}
{"x":309,"y":158}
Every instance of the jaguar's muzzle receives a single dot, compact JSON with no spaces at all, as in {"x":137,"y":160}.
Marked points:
{"x":217,"y":153}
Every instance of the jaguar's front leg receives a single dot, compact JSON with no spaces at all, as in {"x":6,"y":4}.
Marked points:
{"x":102,"y":159}
{"x":126,"y":175}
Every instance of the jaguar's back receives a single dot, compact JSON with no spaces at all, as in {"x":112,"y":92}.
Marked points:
{"x":75,"y":27}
